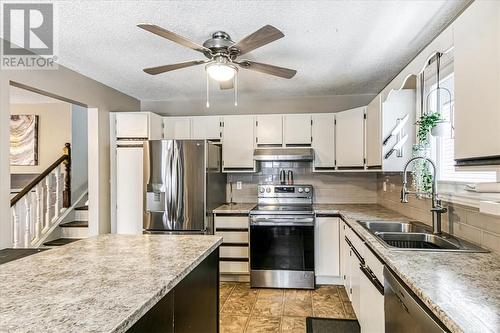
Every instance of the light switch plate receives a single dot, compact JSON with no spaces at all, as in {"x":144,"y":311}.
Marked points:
{"x":239,"y":185}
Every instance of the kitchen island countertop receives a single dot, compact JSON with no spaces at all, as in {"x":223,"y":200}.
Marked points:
{"x":99,"y":284}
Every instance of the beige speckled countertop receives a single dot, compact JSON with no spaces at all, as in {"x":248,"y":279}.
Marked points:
{"x":99,"y":284}
{"x":461,"y":289}
{"x":234,"y":208}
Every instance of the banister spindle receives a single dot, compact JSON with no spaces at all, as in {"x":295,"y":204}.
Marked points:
{"x":67,"y":176}
{"x":15,"y":226}
{"x":27,"y":221}
{"x":38,"y":211}
{"x":59,"y":191}
{"x":48,"y":190}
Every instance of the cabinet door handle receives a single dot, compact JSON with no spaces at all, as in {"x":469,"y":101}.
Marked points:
{"x":373,"y":279}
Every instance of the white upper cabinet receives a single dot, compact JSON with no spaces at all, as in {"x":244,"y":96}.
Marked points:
{"x":269,"y":130}
{"x":297,"y":129}
{"x":349,"y":143}
{"x":177,"y":128}
{"x":206,"y":127}
{"x":398,"y":115}
{"x":373,"y":133}
{"x":323,"y":133}
{"x":138,"y":125}
{"x":238,"y":142}
{"x":477,"y":82}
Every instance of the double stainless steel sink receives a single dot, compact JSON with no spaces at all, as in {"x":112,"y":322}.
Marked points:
{"x":411,"y":235}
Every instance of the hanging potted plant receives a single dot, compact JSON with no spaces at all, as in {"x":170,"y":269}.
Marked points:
{"x":426,"y":124}
{"x":422,"y":176}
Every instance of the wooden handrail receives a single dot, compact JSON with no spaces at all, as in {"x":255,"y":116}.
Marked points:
{"x":65,"y":158}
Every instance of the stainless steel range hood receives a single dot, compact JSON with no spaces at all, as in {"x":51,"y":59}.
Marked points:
{"x":283,"y":154}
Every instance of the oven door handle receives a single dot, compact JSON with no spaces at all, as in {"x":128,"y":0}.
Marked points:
{"x":282,"y":221}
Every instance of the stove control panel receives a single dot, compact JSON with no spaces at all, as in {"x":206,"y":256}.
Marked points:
{"x":284,"y":191}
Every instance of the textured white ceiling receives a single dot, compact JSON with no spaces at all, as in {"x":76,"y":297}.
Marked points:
{"x":337,"y":47}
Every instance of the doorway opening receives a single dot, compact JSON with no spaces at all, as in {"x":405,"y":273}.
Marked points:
{"x":48,"y":169}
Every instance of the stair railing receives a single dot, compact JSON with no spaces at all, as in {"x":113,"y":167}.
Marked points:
{"x":37,"y":207}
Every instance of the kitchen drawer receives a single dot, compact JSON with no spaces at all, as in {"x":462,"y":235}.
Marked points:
{"x":356,"y":241}
{"x":233,"y":236}
{"x":375,"y":265}
{"x":234,"y":267}
{"x":234,"y":251}
{"x":231,"y":222}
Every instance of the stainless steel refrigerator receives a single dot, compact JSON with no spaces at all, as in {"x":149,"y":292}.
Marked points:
{"x":184,"y":183}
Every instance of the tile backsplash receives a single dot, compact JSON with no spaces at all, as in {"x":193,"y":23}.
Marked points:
{"x":328,"y":187}
{"x":463,"y":221}
{"x":362,"y":187}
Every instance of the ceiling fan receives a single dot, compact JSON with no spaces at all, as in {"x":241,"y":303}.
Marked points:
{"x":222,"y":53}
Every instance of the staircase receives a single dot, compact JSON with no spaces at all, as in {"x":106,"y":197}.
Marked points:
{"x":42,"y":204}
{"x":74,"y":228}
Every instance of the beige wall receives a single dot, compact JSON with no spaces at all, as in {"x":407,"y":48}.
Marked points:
{"x":54,"y":130}
{"x":462,"y":221}
{"x":74,"y":86}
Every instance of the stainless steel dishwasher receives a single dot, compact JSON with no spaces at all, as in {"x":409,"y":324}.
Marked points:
{"x":403,"y":312}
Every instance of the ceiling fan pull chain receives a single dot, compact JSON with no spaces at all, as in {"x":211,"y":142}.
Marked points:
{"x":236,"y":89}
{"x":208,"y":88}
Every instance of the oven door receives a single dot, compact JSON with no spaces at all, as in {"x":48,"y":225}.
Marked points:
{"x":282,"y":243}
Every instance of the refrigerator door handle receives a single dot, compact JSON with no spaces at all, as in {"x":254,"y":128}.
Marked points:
{"x":178,"y":198}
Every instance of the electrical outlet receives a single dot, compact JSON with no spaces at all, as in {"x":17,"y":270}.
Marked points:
{"x":239,"y":185}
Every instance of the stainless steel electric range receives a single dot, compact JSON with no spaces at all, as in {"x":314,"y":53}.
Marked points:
{"x":282,"y":237}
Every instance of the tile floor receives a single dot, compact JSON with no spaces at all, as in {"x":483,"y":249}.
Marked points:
{"x":278,"y":310}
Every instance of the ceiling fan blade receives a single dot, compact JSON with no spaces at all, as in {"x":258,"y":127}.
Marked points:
{"x":172,"y":67}
{"x":173,"y":37}
{"x":268,"y":69}
{"x":225,"y":85}
{"x":261,"y":37}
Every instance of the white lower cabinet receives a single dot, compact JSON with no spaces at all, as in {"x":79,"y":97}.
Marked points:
{"x":234,"y":251}
{"x":129,"y":190}
{"x":233,"y":267}
{"x":327,"y":249}
{"x":364,"y":281}
{"x":344,"y":257}
{"x":233,"y":236}
{"x":371,"y":317}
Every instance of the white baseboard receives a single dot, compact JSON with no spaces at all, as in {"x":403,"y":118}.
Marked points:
{"x":335,"y":280}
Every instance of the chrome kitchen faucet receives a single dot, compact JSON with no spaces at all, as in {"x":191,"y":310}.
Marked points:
{"x":437,"y":209}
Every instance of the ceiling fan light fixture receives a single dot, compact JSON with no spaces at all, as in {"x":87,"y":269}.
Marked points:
{"x":221,"y":72}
